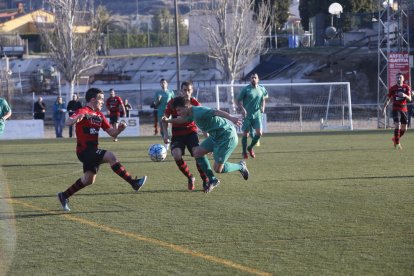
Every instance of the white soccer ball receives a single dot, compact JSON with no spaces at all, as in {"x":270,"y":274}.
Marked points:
{"x":157,"y":152}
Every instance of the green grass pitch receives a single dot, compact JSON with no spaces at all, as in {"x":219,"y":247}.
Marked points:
{"x":315,"y":204}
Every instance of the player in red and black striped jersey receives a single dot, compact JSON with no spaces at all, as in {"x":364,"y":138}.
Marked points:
{"x":89,"y":120}
{"x":183,"y":135}
{"x":115,"y":107}
{"x":399,"y":94}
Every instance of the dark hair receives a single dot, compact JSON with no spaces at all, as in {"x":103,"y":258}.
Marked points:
{"x":186,"y":83}
{"x":163,"y":80}
{"x":110,"y":90}
{"x":179,"y":101}
{"x":92,"y":93}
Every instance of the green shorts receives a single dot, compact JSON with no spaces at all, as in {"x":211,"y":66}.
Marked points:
{"x":223,"y":148}
{"x":255,"y":123}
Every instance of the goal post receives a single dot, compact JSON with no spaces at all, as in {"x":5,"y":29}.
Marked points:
{"x":298,"y":106}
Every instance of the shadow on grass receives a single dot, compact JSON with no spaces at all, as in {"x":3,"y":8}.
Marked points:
{"x":22,"y":215}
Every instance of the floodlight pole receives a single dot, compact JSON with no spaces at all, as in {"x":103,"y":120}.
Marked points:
{"x":177,"y":45}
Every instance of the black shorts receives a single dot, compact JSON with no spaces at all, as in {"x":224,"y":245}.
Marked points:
{"x":91,"y":159}
{"x":400,"y":117}
{"x":113,"y":119}
{"x":190,"y":140}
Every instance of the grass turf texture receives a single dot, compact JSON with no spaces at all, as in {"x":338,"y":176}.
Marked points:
{"x":316,"y":203}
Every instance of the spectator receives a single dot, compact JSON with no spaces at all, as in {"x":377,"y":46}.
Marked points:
{"x":39,"y":109}
{"x":73,"y":105}
{"x":128,"y":107}
{"x":59,"y":113}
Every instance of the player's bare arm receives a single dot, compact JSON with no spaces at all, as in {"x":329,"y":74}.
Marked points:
{"x":235,"y":120}
{"x":242,"y":109}
{"x":178,"y":120}
{"x":77,"y":119}
{"x":114,"y":132}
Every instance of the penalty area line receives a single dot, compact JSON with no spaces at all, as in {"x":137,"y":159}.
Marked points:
{"x":135,"y":236}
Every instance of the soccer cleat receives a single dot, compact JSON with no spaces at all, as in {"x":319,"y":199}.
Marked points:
{"x":251,"y":152}
{"x":244,"y":171}
{"x":212,"y":184}
{"x":64,"y":202}
{"x":191,"y":182}
{"x":245,"y":156}
{"x":137,"y":183}
{"x":205,"y":186}
{"x":396,"y":146}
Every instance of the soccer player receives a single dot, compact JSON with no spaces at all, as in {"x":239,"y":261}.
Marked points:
{"x":115,"y":107}
{"x":89,"y":120}
{"x":183,"y":135}
{"x":399,"y":94}
{"x":5,"y":113}
{"x":251,"y":102}
{"x":161,"y":98}
{"x":222,"y":139}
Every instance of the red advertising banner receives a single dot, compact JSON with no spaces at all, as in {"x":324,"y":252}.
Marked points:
{"x":398,"y":63}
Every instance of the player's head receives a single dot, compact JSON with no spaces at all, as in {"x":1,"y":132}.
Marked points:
{"x":182,"y":105}
{"x":400,"y":78}
{"x":112,"y":92}
{"x":94,"y":97}
{"x":187,"y":89}
{"x":75,"y":97}
{"x":163,"y":83}
{"x":254,"y":79}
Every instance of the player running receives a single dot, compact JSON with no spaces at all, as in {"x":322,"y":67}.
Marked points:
{"x":251,"y":101}
{"x":399,"y":94}
{"x":222,"y":139}
{"x":115,"y":106}
{"x":89,"y":120}
{"x":183,"y":135}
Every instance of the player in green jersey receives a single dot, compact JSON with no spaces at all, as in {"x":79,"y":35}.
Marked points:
{"x":251,"y":102}
{"x":222,"y":138}
{"x":161,"y":98}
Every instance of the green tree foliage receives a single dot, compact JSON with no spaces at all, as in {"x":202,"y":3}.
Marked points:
{"x":309,"y":8}
{"x":279,"y":14}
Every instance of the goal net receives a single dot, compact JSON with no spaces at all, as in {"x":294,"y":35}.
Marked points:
{"x":297,"y":106}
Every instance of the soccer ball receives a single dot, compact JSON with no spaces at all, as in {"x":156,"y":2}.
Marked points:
{"x":157,"y":152}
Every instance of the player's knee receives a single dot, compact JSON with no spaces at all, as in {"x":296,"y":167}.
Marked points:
{"x":197,"y":152}
{"x":218,"y":168}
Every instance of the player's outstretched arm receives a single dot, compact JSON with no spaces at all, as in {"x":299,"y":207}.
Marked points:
{"x":77,"y":119}
{"x":235,"y":120}
{"x":114,"y":132}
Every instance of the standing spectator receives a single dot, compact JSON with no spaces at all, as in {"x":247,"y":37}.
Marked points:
{"x":91,"y":120}
{"x":251,"y":101}
{"x":162,"y":97}
{"x":128,"y":107}
{"x":39,"y":109}
{"x":115,"y":106}
{"x":399,"y":94}
{"x":5,"y":113}
{"x":59,"y":114}
{"x":73,"y":105}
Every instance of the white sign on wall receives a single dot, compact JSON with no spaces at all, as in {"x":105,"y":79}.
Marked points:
{"x":132,"y":129}
{"x":23,"y":129}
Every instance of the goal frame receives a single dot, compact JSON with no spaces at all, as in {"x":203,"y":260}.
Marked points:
{"x":346,"y":84}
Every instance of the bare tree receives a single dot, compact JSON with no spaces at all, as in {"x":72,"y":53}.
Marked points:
{"x":234,"y":35}
{"x":73,"y":40}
